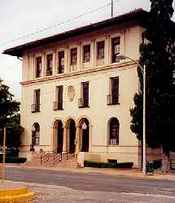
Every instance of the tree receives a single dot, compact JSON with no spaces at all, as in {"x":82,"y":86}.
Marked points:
{"x":157,"y":54}
{"x":9,"y":116}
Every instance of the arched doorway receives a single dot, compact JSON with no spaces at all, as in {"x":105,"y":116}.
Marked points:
{"x":58,"y":126}
{"x":113,"y":126}
{"x":84,"y":135}
{"x":71,"y":135}
{"x":35,"y":134}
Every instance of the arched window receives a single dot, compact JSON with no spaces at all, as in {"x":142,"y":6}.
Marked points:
{"x":113,"y":131}
{"x":35,"y":134}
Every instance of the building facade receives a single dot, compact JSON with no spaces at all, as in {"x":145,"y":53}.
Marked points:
{"x":77,"y":94}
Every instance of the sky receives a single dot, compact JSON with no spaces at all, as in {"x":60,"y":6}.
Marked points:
{"x":23,"y":21}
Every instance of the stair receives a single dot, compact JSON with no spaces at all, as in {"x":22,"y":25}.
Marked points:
{"x":51,"y":159}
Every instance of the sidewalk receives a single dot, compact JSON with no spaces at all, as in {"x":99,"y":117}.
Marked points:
{"x":132,"y":173}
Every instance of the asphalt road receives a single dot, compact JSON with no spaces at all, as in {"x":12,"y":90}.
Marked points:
{"x":92,"y":181}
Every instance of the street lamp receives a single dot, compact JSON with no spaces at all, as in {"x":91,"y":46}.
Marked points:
{"x":142,"y":68}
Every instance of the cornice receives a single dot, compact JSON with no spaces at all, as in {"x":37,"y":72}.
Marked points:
{"x":120,"y":66}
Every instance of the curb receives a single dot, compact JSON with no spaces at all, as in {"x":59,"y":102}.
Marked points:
{"x":18,"y":194}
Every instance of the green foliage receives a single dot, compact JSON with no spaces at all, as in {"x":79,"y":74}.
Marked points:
{"x":13,"y":159}
{"x":9,"y":117}
{"x":157,"y":54}
{"x":108,"y":165}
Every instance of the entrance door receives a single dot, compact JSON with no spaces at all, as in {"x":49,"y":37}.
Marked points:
{"x":85,"y":135}
{"x":59,"y":134}
{"x":72,"y":134}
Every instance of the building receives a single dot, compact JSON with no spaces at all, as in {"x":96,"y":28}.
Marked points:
{"x":76,"y":93}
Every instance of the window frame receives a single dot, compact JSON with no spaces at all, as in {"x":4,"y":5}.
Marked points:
{"x":71,"y":57}
{"x":84,"y":60}
{"x":36,"y":66}
{"x":47,"y":67}
{"x":97,"y":50}
{"x":59,"y":63}
{"x":113,"y":140}
{"x":112,"y":48}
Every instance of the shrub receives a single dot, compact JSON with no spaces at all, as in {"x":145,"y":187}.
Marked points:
{"x":13,"y":159}
{"x":110,"y":164}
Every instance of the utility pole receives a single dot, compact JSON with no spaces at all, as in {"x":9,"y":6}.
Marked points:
{"x":3,"y":159}
{"x":112,"y":8}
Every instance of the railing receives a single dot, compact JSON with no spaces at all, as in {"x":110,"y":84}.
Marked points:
{"x":82,"y":103}
{"x":111,"y":100}
{"x":52,"y":158}
{"x":35,"y":108}
{"x":57,"y":105}
{"x":49,"y":71}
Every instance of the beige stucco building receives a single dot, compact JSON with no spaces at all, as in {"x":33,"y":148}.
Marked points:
{"x":76,"y":93}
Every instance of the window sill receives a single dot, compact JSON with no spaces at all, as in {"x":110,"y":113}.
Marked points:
{"x":35,"y":112}
{"x":111,"y":104}
{"x":84,"y":106}
{"x":113,"y":145}
{"x":59,"y":109}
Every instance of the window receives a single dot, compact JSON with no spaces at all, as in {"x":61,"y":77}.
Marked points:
{"x":113,"y":131}
{"x":49,"y":64}
{"x":73,"y":56}
{"x":58,"y":104}
{"x":100,"y":50}
{"x":173,"y":77}
{"x":36,"y":105}
{"x":113,"y":97}
{"x":61,"y":62}
{"x":86,"y":53}
{"x":38,"y":67}
{"x":84,"y":101}
{"x":115,"y":49}
{"x":35,"y":134}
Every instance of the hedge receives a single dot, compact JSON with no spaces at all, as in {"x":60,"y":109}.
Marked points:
{"x":108,"y":165}
{"x":13,"y":159}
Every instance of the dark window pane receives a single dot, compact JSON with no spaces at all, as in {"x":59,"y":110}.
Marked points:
{"x":73,"y":56}
{"x":100,"y":50}
{"x":114,"y":131}
{"x":115,"y":90}
{"x":86,"y":53}
{"x":38,"y":66}
{"x":60,"y":97}
{"x":85,"y":86}
{"x":61,"y":62}
{"x":115,"y":49}
{"x":49,"y":64}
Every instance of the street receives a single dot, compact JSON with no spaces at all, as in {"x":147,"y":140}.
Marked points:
{"x":69,"y":186}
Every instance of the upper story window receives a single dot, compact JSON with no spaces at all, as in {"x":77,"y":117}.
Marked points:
{"x":115,"y":45}
{"x":100,"y":50}
{"x":86,"y":53}
{"x":49,"y":66}
{"x":73,"y":56}
{"x":61,"y":62}
{"x":36,"y":102}
{"x":113,"y":97}
{"x":38,"y":67}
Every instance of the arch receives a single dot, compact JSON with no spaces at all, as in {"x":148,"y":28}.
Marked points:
{"x":54,"y":120}
{"x":71,"y":134}
{"x":35,"y":134}
{"x":67,"y":121}
{"x":84,"y":134}
{"x":58,"y":136}
{"x":113,"y":131}
{"x":78,"y":121}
